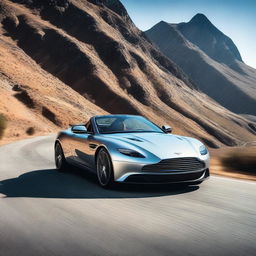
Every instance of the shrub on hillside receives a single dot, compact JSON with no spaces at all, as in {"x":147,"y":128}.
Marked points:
{"x":241,"y":160}
{"x":3,"y":125}
{"x":30,"y":131}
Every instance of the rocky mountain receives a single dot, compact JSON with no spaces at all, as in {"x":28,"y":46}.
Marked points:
{"x":62,"y":61}
{"x":211,"y":60}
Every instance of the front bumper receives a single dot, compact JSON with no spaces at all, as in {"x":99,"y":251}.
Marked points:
{"x":165,"y":178}
{"x":164,"y":171}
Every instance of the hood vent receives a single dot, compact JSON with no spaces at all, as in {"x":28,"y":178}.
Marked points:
{"x":134,"y":139}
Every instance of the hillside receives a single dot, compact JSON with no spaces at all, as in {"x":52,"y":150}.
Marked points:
{"x":31,"y":97}
{"x":211,"y":60}
{"x":62,"y":61}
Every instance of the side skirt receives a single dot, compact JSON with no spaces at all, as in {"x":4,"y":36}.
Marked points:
{"x":82,"y":166}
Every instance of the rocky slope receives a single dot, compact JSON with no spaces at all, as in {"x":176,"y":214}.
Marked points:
{"x":31,"y":97}
{"x":62,"y":61}
{"x":211,"y":60}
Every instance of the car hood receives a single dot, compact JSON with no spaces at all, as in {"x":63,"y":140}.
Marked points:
{"x":160,"y":144}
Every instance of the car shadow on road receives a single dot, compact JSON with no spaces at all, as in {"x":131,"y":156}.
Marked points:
{"x":77,"y":183}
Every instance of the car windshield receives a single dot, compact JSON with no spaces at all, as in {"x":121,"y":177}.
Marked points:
{"x":124,"y":124}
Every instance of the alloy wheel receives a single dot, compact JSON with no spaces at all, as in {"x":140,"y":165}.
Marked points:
{"x":104,"y":168}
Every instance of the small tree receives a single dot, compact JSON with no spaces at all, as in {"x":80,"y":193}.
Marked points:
{"x":3,"y":125}
{"x":30,"y":131}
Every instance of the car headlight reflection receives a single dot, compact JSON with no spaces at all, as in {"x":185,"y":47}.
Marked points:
{"x":203,"y":150}
{"x":130,"y":152}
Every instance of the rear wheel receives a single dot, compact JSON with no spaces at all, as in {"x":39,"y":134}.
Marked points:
{"x":104,"y":169}
{"x":60,"y":161}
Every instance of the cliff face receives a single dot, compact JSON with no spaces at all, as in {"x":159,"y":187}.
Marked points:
{"x":211,"y":60}
{"x":100,"y":62}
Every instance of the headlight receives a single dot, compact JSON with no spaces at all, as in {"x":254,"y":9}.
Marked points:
{"x":203,"y":150}
{"x":130,"y":152}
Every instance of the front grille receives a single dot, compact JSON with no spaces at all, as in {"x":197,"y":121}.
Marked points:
{"x":175,"y":164}
{"x":164,"y":178}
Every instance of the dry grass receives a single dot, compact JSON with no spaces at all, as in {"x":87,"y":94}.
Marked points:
{"x":237,"y":162}
{"x":3,"y":125}
{"x":242,"y":159}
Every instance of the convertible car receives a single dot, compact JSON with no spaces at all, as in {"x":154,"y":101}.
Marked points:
{"x":131,"y":149}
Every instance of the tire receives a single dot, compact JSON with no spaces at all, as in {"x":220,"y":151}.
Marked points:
{"x":104,"y":169}
{"x":60,"y":161}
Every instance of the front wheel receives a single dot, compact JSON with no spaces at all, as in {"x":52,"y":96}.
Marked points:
{"x":104,"y":169}
{"x":60,"y":161}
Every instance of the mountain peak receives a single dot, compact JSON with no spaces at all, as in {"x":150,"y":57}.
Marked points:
{"x":201,"y":32}
{"x":162,"y":23}
{"x":200,"y":18}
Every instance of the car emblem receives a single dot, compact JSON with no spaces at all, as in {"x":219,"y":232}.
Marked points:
{"x":177,"y":153}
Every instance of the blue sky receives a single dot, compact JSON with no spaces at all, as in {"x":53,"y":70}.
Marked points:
{"x":235,"y":18}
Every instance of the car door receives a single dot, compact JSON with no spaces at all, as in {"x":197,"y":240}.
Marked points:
{"x":84,"y":147}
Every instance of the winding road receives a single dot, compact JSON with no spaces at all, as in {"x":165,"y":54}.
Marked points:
{"x":43,"y":212}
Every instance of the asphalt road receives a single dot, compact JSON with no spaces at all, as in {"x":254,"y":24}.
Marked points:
{"x":43,"y":212}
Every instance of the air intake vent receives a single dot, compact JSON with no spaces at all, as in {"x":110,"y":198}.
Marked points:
{"x":165,"y":178}
{"x":175,"y":164}
{"x":135,"y":139}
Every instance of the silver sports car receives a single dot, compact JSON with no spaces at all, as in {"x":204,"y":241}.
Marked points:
{"x":131,"y":149}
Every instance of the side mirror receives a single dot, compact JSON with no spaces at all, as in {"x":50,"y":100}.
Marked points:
{"x":79,"y":129}
{"x":167,"y":129}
